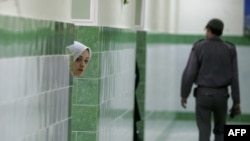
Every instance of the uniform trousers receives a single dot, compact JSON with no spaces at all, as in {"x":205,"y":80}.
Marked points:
{"x":211,"y":103}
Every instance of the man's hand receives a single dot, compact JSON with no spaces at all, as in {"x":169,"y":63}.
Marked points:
{"x":235,"y":110}
{"x":183,"y":102}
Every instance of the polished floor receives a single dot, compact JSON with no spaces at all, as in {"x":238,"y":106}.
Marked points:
{"x":184,"y":131}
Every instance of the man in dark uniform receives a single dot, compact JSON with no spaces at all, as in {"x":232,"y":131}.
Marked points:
{"x":212,"y":66}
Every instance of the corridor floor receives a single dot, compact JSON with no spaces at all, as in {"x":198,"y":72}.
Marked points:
{"x":183,"y":131}
{"x":187,"y":131}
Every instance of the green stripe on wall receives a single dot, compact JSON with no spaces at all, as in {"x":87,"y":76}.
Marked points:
{"x":190,"y":39}
{"x":243,"y":118}
{"x":100,"y":38}
{"x":127,"y":36}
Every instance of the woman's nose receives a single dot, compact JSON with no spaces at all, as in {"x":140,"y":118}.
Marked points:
{"x":83,"y":64}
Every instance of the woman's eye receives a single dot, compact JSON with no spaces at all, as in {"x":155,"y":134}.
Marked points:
{"x":78,"y":60}
{"x":86,"y":61}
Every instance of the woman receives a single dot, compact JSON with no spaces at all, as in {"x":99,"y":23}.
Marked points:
{"x":81,"y":56}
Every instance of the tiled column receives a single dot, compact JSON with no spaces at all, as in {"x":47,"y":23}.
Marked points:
{"x":141,"y":44}
{"x":85,"y":98}
{"x":34,"y":79}
{"x":103,"y":98}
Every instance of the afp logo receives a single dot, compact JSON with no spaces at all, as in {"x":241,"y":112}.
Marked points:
{"x":237,"y":132}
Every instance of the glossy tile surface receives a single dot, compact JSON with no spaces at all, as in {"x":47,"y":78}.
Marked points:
{"x":103,"y":98}
{"x":182,"y":130}
{"x":141,"y":47}
{"x":159,"y":98}
{"x":35,"y":82}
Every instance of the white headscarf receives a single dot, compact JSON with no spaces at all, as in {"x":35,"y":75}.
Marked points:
{"x":77,"y":48}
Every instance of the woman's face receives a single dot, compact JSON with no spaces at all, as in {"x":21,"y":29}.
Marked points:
{"x":81,"y":63}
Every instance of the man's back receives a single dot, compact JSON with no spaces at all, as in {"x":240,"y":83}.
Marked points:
{"x":212,"y":65}
{"x":215,"y":65}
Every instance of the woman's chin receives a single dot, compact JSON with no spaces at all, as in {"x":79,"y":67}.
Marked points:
{"x":79,"y":74}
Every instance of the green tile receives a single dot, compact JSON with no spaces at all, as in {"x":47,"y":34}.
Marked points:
{"x":73,"y":136}
{"x":243,"y":118}
{"x":32,"y":37}
{"x":88,"y":35}
{"x":86,"y":136}
{"x":74,"y":92}
{"x":88,"y":91}
{"x":71,"y":78}
{"x":185,"y":116}
{"x":106,"y":41}
{"x":126,"y":36}
{"x":140,"y":92}
{"x":190,"y":39}
{"x":114,"y":38}
{"x":140,"y":127}
{"x":157,"y":115}
{"x":70,"y":100}
{"x":84,"y":118}
{"x":93,"y":68}
{"x":142,"y":69}
{"x":70,"y":133}
{"x":141,"y":44}
{"x":88,"y":87}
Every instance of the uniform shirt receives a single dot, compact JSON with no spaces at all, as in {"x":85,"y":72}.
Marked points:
{"x":212,"y":63}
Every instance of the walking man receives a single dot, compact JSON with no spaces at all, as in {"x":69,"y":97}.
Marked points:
{"x":212,"y":66}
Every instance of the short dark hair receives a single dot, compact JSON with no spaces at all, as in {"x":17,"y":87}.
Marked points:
{"x":216,"y":26}
{"x":215,"y":31}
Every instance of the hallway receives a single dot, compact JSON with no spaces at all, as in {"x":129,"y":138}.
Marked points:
{"x":183,"y":130}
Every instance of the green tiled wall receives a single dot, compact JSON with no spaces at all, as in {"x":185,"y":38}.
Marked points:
{"x":30,"y":37}
{"x":33,"y":61}
{"x":140,"y":91}
{"x":141,"y":60}
{"x":35,"y":84}
{"x":103,"y":98}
